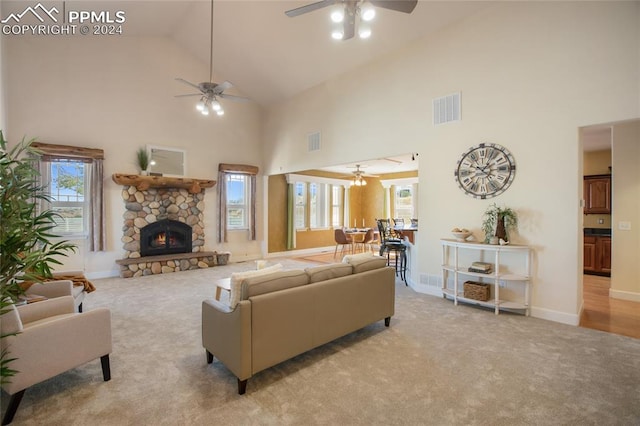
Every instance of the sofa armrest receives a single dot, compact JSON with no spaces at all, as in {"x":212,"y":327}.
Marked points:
{"x":46,"y":308}
{"x":52,"y":289}
{"x":226,"y":334}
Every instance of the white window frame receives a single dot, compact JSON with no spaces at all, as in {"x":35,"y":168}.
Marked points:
{"x":319,"y":199}
{"x":397,"y":207}
{"x":245,"y":206}
{"x":336,"y":206}
{"x":300,"y":205}
{"x":54,"y":203}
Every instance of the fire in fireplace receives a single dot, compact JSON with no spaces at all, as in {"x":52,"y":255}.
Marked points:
{"x":164,"y":237}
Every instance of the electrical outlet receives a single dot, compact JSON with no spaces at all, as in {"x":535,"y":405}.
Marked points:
{"x":624,"y":226}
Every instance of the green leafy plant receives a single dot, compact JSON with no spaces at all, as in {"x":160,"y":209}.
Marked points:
{"x":143,"y":159}
{"x":499,"y":221}
{"x":27,"y":251}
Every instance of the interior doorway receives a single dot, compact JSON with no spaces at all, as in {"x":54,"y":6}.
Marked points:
{"x":607,"y":226}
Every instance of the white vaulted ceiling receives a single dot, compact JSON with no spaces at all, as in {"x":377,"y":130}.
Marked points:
{"x":268,"y":56}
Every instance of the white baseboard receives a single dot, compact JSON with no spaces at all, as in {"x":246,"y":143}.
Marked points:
{"x":557,"y":316}
{"x":624,"y":295}
{"x":426,"y":289}
{"x":302,"y":252}
{"x":103,"y":274}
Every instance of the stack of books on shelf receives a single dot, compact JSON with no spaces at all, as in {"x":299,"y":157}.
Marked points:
{"x":481,"y":267}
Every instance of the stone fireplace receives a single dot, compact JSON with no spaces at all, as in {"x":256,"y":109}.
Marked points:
{"x":163,"y":227}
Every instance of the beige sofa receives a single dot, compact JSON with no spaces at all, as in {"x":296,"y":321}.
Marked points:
{"x":286,"y":313}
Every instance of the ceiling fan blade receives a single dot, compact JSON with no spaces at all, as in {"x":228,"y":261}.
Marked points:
{"x":309,"y":8}
{"x":234,"y":98}
{"x":405,"y":6}
{"x":190,"y":94}
{"x":186,"y":82}
{"x":222,"y":87}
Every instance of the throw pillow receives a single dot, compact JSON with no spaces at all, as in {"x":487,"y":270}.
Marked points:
{"x":238,"y":277}
{"x":349,"y":257}
{"x":364,"y":264}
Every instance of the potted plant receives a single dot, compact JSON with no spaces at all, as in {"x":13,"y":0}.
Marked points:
{"x":498,"y":222}
{"x":27,"y":252}
{"x":143,"y":160}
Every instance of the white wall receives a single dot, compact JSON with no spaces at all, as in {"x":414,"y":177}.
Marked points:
{"x":530,"y":75}
{"x":625,"y":268}
{"x":117,"y":93}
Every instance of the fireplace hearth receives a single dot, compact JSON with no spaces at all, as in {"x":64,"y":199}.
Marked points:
{"x":165,"y":237}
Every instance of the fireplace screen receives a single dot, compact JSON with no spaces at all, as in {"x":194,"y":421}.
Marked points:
{"x":165,"y":237}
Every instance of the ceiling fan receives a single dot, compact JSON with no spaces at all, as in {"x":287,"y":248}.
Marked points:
{"x":210,"y":91}
{"x":359,"y":175}
{"x":346,"y":12}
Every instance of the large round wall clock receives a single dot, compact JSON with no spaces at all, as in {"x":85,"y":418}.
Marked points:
{"x":485,"y":170}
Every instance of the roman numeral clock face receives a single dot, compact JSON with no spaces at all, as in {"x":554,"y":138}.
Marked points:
{"x":485,"y":170}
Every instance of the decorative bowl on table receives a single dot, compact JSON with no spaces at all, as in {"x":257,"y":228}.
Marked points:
{"x":460,"y":234}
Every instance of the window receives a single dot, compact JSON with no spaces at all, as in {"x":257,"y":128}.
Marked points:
{"x":237,"y":201}
{"x":336,"y":206}
{"x":404,"y":202}
{"x":300,"y":206}
{"x":68,"y":191}
{"x":318,"y":205}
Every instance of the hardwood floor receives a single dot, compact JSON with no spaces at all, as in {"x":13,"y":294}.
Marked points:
{"x":604,"y":313}
{"x":600,"y":311}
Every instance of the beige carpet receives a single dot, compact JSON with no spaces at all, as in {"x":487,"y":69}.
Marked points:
{"x":437,"y":364}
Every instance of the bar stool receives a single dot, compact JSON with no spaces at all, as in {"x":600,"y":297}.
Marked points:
{"x":395,"y":245}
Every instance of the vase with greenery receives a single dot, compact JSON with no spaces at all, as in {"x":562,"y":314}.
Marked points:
{"x":143,"y":160}
{"x":498,"y":222}
{"x":27,"y":247}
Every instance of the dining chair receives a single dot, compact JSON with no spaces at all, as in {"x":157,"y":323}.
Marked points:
{"x":369,"y":238}
{"x":398,"y":223}
{"x":341,"y":239}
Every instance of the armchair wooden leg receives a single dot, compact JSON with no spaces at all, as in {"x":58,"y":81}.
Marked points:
{"x":14,"y":402}
{"x":387,"y":321}
{"x":106,"y":368}
{"x":209,"y":357}
{"x":242,"y":386}
{"x":80,"y":308}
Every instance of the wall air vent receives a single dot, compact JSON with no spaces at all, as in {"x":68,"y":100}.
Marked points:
{"x":446,"y":109}
{"x":313,"y":141}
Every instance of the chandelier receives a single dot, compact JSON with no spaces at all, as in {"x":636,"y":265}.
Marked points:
{"x":358,"y":181}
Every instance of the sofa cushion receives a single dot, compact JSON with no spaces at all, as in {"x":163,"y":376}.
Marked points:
{"x":238,"y":277}
{"x":275,"y":281}
{"x":364,"y":264}
{"x":327,"y":272}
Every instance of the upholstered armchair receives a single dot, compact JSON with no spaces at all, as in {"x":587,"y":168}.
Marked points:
{"x":49,"y":338}
{"x":62,"y":286}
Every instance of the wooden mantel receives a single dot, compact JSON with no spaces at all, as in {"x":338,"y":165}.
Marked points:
{"x":143,"y":183}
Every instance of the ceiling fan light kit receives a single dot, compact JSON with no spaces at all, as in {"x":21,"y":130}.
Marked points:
{"x":345,"y":14}
{"x":210,"y":91}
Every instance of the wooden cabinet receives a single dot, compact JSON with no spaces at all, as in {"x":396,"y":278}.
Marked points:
{"x":597,"y":194}
{"x":589,"y":254}
{"x":597,"y":255}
